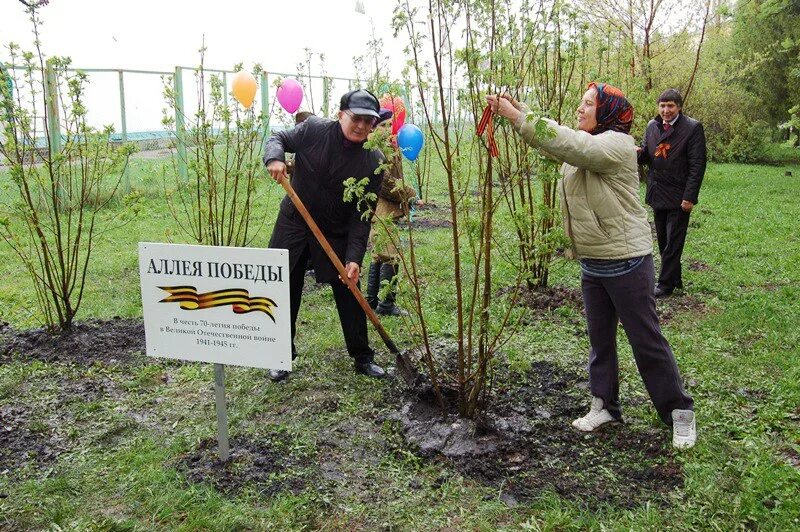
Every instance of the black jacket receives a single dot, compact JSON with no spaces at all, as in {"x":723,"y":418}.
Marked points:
{"x":676,"y":162}
{"x":324,"y":159}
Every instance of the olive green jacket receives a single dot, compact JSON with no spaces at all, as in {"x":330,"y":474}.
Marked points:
{"x":599,"y":189}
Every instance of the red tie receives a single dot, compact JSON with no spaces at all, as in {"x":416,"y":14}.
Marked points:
{"x":667,"y":125}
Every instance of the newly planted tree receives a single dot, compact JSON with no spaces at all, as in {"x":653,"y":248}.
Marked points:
{"x":482,"y":322}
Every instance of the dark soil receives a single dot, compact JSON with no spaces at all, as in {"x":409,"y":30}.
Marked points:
{"x":699,"y":266}
{"x":24,"y":445}
{"x":679,"y":303}
{"x":543,"y":300}
{"x":792,"y":457}
{"x":772,"y":287}
{"x":524,"y":445}
{"x":115,"y":341}
{"x":266,"y":464}
{"x":430,"y":206}
{"x":419,"y":223}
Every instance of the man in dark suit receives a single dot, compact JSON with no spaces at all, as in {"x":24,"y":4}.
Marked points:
{"x":327,"y":152}
{"x":674,"y":149}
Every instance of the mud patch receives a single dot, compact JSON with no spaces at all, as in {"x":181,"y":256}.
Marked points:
{"x":698,"y":266}
{"x":775,"y":286}
{"x":546,"y":299}
{"x":25,"y":443}
{"x":349,"y":454}
{"x":792,"y":457}
{"x":524,"y":445}
{"x":669,"y":308}
{"x":267,"y":464}
{"x":115,"y":341}
{"x":430,"y":206}
{"x":85,"y":390}
{"x":422,"y":224}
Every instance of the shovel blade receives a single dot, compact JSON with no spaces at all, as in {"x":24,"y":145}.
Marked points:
{"x":406,"y":368}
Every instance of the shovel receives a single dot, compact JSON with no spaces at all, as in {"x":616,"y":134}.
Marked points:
{"x":405,"y":366}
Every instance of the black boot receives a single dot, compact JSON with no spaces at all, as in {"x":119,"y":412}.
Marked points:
{"x":387,"y":306}
{"x":373,"y":284}
{"x":370,"y":369}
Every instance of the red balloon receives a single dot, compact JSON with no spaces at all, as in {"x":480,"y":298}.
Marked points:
{"x":398,"y":109}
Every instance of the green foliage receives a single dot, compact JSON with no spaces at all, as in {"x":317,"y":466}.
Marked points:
{"x":749,"y":83}
{"x":766,"y":39}
{"x":734,"y":126}
{"x":356,"y":190}
{"x":64,"y":176}
{"x":222,"y":148}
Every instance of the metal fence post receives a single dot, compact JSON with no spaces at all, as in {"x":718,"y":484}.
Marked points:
{"x":265,"y":102}
{"x":126,"y":178}
{"x":326,"y":96}
{"x":225,"y":87}
{"x":53,"y":123}
{"x":180,"y":126}
{"x":409,"y":104}
{"x":225,"y":95}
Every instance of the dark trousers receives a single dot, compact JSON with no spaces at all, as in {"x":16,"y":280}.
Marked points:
{"x":629,"y":298}
{"x":351,"y":315}
{"x":671,"y":227}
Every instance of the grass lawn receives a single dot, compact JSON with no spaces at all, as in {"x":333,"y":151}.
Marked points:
{"x":114,"y":445}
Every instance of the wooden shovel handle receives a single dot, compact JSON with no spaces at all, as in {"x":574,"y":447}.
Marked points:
{"x":298,"y":203}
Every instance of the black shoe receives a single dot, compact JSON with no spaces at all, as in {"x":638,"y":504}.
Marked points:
{"x":277,"y":375}
{"x":370,"y":369}
{"x":662,"y":292}
{"x":385,"y":309}
{"x":373,"y":284}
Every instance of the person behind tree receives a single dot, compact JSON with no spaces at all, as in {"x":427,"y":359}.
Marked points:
{"x":611,"y":237}
{"x":328,"y":152}
{"x":674,"y":150}
{"x":393,"y":198}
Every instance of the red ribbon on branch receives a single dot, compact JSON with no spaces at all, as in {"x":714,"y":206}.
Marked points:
{"x":487,"y":125}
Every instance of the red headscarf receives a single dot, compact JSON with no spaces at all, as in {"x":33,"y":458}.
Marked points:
{"x":614,"y":112}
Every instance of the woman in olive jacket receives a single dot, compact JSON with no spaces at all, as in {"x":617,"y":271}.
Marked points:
{"x":611,"y":238}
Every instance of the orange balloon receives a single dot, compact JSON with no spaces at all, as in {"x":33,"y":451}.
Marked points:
{"x":243,"y":88}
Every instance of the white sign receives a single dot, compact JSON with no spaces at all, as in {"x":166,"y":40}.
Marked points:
{"x":223,"y":305}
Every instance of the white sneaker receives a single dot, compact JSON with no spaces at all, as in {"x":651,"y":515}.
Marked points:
{"x":597,"y":416}
{"x":684,"y":429}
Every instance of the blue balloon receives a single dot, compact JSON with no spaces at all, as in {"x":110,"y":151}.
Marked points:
{"x":410,"y":140}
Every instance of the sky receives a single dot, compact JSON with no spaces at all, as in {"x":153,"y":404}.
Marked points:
{"x":159,"y":35}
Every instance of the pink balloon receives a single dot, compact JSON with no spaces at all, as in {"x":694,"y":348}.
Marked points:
{"x":290,"y":95}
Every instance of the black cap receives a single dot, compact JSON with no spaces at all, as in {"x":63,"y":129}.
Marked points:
{"x":361,"y":102}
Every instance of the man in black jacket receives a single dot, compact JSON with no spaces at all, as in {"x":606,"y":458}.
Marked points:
{"x":674,"y":149}
{"x":328,"y":152}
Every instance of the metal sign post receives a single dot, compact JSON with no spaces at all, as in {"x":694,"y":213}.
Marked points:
{"x":222,"y":412}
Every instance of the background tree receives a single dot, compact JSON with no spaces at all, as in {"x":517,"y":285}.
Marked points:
{"x":224,"y":141}
{"x":64,"y":187}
